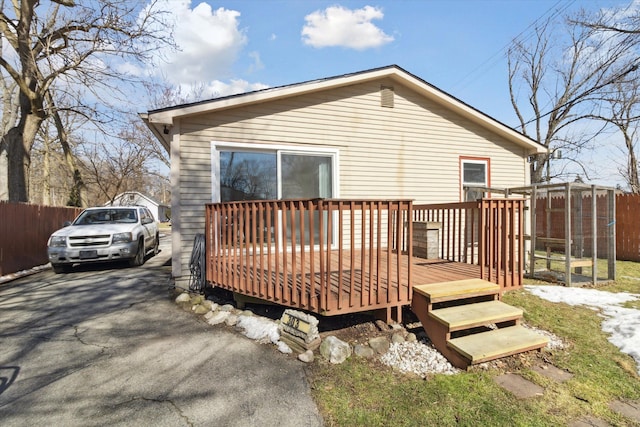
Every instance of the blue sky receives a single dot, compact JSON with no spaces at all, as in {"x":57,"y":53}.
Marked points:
{"x":457,"y":45}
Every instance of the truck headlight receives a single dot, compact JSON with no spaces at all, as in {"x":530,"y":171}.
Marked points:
{"x":122,"y":238}
{"x":57,"y":241}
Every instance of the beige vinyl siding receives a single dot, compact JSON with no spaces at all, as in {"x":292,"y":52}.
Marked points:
{"x":410,"y":151}
{"x":194,"y":192}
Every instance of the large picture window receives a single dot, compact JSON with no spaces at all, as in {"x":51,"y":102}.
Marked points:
{"x":262,"y":175}
{"x":473,"y":173}
{"x":243,"y":173}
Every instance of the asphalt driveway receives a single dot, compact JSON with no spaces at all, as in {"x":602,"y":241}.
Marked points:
{"x":106,"y":346}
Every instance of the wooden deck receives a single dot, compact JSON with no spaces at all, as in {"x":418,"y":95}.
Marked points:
{"x":439,"y":270}
{"x":343,"y":256}
{"x":292,"y":284}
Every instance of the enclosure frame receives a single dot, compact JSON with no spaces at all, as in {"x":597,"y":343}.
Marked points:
{"x":571,"y":238}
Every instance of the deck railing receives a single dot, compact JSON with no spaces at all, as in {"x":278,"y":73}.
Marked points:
{"x":325,"y":256}
{"x":341,"y":256}
{"x":487,"y":232}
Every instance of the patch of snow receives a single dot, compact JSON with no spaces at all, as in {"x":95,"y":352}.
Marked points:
{"x":259,"y":328}
{"x":622,"y":324}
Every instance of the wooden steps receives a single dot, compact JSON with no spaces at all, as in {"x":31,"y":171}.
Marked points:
{"x":447,"y":291}
{"x":468,"y":324}
{"x":469,"y":316}
{"x":497,"y":343}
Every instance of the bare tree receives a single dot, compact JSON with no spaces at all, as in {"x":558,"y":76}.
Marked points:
{"x":623,"y":114}
{"x":558,"y":78}
{"x":623,"y":20}
{"x":66,"y":44}
{"x":138,"y":134}
{"x":78,"y":188}
{"x":162,"y":94}
{"x":9,"y":118}
{"x":111,"y":170}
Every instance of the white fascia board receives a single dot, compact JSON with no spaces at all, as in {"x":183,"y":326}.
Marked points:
{"x":157,"y":129}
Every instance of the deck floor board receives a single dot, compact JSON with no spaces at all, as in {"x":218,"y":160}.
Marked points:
{"x":274,"y":278}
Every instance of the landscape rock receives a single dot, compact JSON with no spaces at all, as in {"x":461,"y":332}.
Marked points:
{"x":186,"y":306}
{"x":183,"y":297}
{"x":200,"y":309}
{"x":382,"y":325}
{"x":218,"y":317}
{"x":335,"y":350}
{"x":363,"y":351}
{"x":227,"y":307}
{"x":397,"y":338}
{"x":379,"y":344}
{"x":411,"y":337}
{"x":306,"y":357}
{"x":197,"y":299}
{"x":210,"y":305}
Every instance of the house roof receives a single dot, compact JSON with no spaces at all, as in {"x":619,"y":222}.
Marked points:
{"x":161,"y":120}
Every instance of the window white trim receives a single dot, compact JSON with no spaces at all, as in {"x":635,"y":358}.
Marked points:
{"x":217,"y":146}
{"x":333,"y":153}
{"x":466,"y":161}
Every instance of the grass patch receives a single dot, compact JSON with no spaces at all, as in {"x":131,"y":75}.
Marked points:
{"x":365,"y":393}
{"x":358,"y":394}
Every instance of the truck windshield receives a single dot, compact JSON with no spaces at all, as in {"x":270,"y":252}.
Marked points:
{"x":101,"y":216}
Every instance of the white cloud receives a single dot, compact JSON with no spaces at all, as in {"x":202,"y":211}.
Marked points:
{"x":192,"y":92}
{"x":219,"y":88}
{"x":209,"y":42}
{"x":338,"y":26}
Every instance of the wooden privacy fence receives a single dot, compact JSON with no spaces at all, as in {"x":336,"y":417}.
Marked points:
{"x":628,"y":227}
{"x":487,"y":232}
{"x":24,"y":231}
{"x":324,"y":256}
{"x":627,"y":224}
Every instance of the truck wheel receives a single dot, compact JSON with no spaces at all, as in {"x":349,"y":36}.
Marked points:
{"x":59,"y":268}
{"x":139,"y":258}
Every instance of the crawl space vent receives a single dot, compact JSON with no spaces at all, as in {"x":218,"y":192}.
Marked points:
{"x":386,"y":96}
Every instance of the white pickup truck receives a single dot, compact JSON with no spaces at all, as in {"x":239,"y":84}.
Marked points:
{"x":105,"y":234}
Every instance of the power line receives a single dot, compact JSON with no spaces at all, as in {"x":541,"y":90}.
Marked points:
{"x":631,"y":69}
{"x":524,"y":35}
